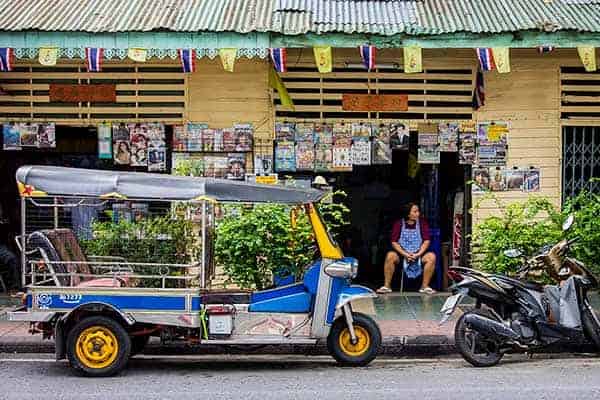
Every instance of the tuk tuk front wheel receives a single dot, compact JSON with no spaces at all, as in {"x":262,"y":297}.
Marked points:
{"x":98,"y":346}
{"x":366,"y":347}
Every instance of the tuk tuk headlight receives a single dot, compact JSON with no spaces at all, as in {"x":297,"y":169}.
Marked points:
{"x":339,"y":269}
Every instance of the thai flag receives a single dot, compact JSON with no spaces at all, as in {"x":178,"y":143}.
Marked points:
{"x":279,"y":58}
{"x":188,"y":60}
{"x":486,"y":59}
{"x":367,"y":54}
{"x":545,"y":49}
{"x":6,"y":59}
{"x":479,"y":91}
{"x":93,"y":57}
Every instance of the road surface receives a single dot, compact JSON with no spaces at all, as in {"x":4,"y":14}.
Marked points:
{"x":38,"y":376}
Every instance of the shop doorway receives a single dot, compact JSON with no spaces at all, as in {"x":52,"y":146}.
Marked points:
{"x":376,"y":197}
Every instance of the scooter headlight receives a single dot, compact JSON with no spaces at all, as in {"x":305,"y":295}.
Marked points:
{"x":354,"y":265}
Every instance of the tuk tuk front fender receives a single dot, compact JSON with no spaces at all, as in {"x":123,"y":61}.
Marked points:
{"x":353,"y":292}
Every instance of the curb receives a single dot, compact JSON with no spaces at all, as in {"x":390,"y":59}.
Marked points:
{"x":427,"y":345}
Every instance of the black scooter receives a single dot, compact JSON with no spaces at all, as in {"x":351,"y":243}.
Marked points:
{"x":517,"y":316}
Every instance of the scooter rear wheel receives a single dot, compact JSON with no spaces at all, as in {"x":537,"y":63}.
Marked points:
{"x":475,"y":347}
{"x":590,"y":327}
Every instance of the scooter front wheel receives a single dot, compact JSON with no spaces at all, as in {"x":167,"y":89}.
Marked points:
{"x":363,"y":350}
{"x":475,"y":347}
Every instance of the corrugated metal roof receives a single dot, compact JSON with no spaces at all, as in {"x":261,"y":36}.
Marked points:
{"x":385,"y":17}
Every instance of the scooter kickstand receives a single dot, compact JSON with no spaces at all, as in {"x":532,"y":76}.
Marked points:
{"x":350,"y":323}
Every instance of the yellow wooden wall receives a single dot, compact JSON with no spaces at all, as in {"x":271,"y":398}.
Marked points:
{"x":222,"y":98}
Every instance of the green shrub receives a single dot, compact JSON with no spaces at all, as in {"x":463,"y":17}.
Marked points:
{"x":254,"y":243}
{"x":586,"y":208}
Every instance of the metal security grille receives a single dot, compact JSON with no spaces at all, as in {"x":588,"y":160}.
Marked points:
{"x":581,"y":159}
{"x":435,"y":94}
{"x":144,"y":93}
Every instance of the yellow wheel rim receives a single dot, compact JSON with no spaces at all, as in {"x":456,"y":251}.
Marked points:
{"x":362,"y":344}
{"x":97,"y":347}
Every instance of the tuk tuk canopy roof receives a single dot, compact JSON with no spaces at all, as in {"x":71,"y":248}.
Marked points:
{"x":62,"y":181}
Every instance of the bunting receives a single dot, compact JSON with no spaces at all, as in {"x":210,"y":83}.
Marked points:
{"x":48,"y":56}
{"x":486,"y":59}
{"x":6,"y":59}
{"x":367,"y":54}
{"x":279,"y":58}
{"x":93,"y":57}
{"x":545,"y":49}
{"x":479,"y":91}
{"x":276,"y":83}
{"x":137,"y":54}
{"x":188,"y":60}
{"x":323,"y":58}
{"x":228,"y":58}
{"x":501,"y":57}
{"x":588,"y":57}
{"x":413,"y":62}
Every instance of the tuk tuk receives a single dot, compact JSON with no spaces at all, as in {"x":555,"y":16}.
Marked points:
{"x":100,"y":310}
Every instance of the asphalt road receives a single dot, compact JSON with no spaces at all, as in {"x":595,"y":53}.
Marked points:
{"x":35,"y":376}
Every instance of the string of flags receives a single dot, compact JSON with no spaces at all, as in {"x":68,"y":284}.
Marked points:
{"x":494,"y":58}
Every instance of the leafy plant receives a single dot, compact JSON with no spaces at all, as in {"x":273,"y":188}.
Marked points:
{"x":586,"y":229}
{"x":254,"y":243}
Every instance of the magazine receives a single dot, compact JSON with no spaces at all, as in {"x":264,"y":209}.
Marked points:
{"x":323,"y":157}
{"x":285,"y":131}
{"x":46,"y":135}
{"x":399,"y":136}
{"x":11,"y":136}
{"x":236,"y":166}
{"x":361,"y":150}
{"x":244,"y":137}
{"x":285,"y":156}
{"x":305,"y":156}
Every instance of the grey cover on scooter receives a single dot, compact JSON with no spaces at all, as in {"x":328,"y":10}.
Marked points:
{"x":563,"y":303}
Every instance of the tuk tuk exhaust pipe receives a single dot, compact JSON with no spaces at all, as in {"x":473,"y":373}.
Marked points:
{"x":491,"y":328}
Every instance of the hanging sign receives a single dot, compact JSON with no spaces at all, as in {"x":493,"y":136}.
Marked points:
{"x":83,"y":93}
{"x":374,"y":102}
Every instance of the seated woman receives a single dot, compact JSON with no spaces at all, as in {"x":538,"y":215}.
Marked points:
{"x":410,"y":243}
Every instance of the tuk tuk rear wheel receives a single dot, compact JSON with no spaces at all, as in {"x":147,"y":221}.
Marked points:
{"x":362,"y":352}
{"x":98,"y":346}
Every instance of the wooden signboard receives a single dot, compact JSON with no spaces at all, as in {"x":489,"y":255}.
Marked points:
{"x":60,"y":93}
{"x":375,"y":102}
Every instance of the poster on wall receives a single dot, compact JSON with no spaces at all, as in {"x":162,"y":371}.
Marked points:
{"x":229,"y":142}
{"x":186,"y":164}
{"x":263,"y":164}
{"x":216,"y":166}
{"x":399,"y":136}
{"x":448,"y":136}
{"x":305,"y":156}
{"x":323,"y":157}
{"x":497,"y":179}
{"x":46,"y":135}
{"x":382,"y":150}
{"x":361,"y":150}
{"x":531,"y":180}
{"x":342,"y":134}
{"x":139,"y":145}
{"x":361,"y":129}
{"x":428,"y":144}
{"x":342,"y":158}
{"x":481,"y":180}
{"x":157,"y":155}
{"x":236,"y":166}
{"x":323,"y":134}
{"x":179,"y":141}
{"x":492,"y":140}
{"x":285,"y":131}
{"x":244,"y":137}
{"x":29,"y":135}
{"x":193,"y":136}
{"x":305,"y":132}
{"x":11,"y":137}
{"x":104,"y":141}
{"x":121,"y":144}
{"x":285,"y":156}
{"x":208,"y":139}
{"x":467,"y":143}
{"x":218,"y":143}
{"x":514,"y":179}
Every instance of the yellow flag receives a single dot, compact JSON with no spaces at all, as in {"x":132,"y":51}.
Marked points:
{"x":588,"y":57}
{"x":137,"y":54}
{"x":502,"y":59}
{"x":48,"y":55}
{"x":323,"y":58}
{"x":276,"y":83}
{"x":413,"y":61}
{"x":228,"y":58}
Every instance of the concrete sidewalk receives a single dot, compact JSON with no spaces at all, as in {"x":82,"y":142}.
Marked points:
{"x":409,"y":325}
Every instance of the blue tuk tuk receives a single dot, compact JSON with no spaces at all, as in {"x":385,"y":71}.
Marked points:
{"x":101,"y":310}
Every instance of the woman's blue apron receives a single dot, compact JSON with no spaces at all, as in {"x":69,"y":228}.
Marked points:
{"x":411,"y":240}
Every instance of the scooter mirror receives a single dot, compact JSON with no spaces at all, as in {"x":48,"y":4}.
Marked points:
{"x":512,"y":253}
{"x":568,"y":222}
